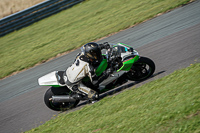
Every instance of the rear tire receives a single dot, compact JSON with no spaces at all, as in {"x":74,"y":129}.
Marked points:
{"x":141,"y":70}
{"x":58,"y":106}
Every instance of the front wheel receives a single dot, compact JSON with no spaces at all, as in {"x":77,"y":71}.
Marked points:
{"x":61,"y":106}
{"x":141,"y":70}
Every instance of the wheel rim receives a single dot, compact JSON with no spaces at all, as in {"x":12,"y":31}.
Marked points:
{"x":140,"y":71}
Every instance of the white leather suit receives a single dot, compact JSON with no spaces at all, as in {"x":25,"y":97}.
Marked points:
{"x":76,"y":72}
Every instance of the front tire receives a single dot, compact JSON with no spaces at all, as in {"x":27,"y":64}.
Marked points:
{"x":141,"y":70}
{"x":55,"y":105}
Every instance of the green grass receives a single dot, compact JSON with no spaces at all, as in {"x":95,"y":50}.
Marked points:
{"x":72,"y":28}
{"x":169,"y":104}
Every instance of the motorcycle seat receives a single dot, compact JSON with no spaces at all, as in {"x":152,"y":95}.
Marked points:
{"x":59,"y":76}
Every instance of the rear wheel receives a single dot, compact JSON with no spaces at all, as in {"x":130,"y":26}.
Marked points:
{"x":61,"y":106}
{"x":141,"y":70}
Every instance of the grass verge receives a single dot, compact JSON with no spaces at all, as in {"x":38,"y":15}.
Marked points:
{"x":72,"y":28}
{"x":169,"y":104}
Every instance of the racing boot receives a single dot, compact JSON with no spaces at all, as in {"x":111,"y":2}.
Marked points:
{"x":93,"y":96}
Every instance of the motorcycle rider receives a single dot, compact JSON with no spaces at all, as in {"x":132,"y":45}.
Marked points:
{"x":84,"y":65}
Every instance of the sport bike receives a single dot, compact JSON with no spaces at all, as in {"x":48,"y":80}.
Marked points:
{"x":125,"y":63}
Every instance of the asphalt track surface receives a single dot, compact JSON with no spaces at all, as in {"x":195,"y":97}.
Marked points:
{"x":171,"y":40}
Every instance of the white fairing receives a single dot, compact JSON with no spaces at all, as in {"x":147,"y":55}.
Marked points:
{"x":48,"y":79}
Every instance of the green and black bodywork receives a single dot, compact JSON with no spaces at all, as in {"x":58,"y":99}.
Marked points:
{"x":125,"y":63}
{"x":123,"y":57}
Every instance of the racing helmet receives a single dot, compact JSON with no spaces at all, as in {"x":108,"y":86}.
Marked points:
{"x":93,"y":52}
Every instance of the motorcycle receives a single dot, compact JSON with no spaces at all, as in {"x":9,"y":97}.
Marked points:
{"x":123,"y":59}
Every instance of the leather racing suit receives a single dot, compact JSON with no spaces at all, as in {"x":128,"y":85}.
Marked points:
{"x":81,"y":68}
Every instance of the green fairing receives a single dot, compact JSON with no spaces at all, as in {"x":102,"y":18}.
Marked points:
{"x":56,"y":86}
{"x":128,"y":64}
{"x":102,"y":67}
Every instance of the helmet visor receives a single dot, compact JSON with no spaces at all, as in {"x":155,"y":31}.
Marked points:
{"x":96,"y":54}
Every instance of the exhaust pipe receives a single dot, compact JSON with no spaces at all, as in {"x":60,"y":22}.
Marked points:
{"x":65,"y":98}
